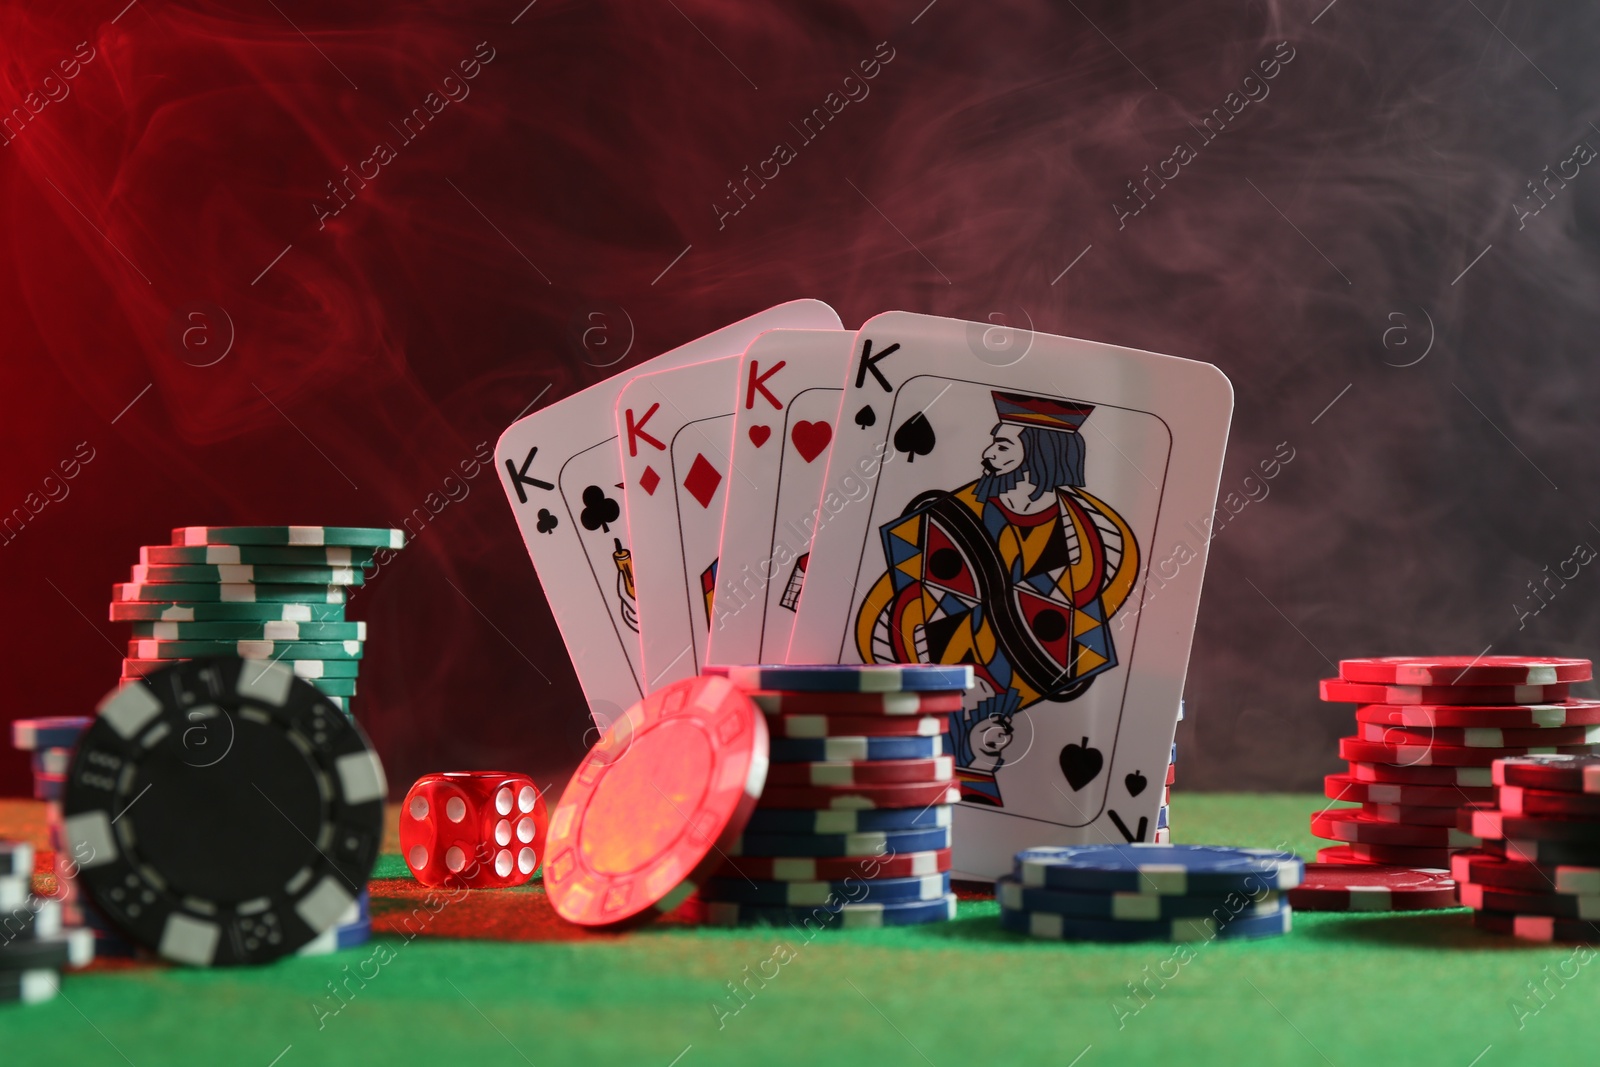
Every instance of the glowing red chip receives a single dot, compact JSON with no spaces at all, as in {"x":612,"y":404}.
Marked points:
{"x":1465,"y":670}
{"x":670,"y":784}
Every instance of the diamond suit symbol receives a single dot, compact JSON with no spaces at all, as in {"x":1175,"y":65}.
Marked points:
{"x":649,"y":480}
{"x":703,"y":480}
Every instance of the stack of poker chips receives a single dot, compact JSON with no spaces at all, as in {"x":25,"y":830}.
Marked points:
{"x":1427,"y":730}
{"x":36,"y":943}
{"x":1148,"y":892}
{"x":1537,"y":874}
{"x":256,"y":592}
{"x":852,"y":828}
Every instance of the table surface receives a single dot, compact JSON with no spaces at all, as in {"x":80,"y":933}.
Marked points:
{"x":496,"y":978}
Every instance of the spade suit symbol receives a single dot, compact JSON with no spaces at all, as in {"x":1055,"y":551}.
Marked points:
{"x":1135,"y":783}
{"x":915,"y":437}
{"x":1081,"y":764}
{"x":866,"y":417}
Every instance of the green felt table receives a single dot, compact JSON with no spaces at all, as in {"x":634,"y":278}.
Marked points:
{"x":1357,"y":990}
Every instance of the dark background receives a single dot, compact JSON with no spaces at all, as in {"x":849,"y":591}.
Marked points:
{"x":1314,"y":250}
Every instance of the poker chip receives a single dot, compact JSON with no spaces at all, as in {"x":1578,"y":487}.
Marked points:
{"x":342,"y":536}
{"x":159,"y":574}
{"x":1502,"y":716}
{"x":29,"y":987}
{"x":867,"y":705}
{"x":1341,"y":856}
{"x":1339,"y":691}
{"x":1372,"y":887}
{"x":1561,"y":773}
{"x":1558,"y":905}
{"x":847,"y":797}
{"x":1543,"y":851}
{"x":14,"y":891}
{"x":1482,"y":868}
{"x":800,"y":821}
{"x":1392,"y":774}
{"x":1346,"y":787}
{"x":813,"y":726}
{"x":1499,"y":824}
{"x":38,"y":918}
{"x":1411,"y":815}
{"x":814,"y":894}
{"x":16,"y":859}
{"x":1477,"y":736}
{"x":51,"y":761}
{"x":61,"y":731}
{"x":199,"y":869}
{"x":655,"y":804}
{"x":835,"y":868}
{"x":1167,"y":870}
{"x":1052,"y":927}
{"x":1124,"y":907}
{"x":1354,"y":826}
{"x":841,"y":916}
{"x":797,"y":750}
{"x":862,"y":772}
{"x":148,"y":648}
{"x":1537,"y":927}
{"x":165,"y":611}
{"x":276,"y":630}
{"x":849,"y":678}
{"x":69,"y":948}
{"x":1515,"y":800}
{"x":1353,"y":748}
{"x":266,"y":555}
{"x":1465,"y":670}
{"x":859,"y":844}
{"x":227,"y":593}
{"x":1436,"y":858}
{"x":302,"y":668}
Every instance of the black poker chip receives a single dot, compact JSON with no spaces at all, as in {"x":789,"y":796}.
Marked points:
{"x":39,"y":918}
{"x":223,"y":811}
{"x":16,"y":859}
{"x":70,"y":948}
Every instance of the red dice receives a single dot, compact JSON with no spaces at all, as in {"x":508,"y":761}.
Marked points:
{"x":478,"y":829}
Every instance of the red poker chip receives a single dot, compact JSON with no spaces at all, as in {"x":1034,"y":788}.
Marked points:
{"x":648,"y":812}
{"x":1498,"y":825}
{"x":1337,"y":690}
{"x":1342,"y":856}
{"x":1372,"y":887}
{"x":1412,"y":814}
{"x":1346,"y":787}
{"x":1487,"y":869}
{"x":1477,"y":736}
{"x":836,"y":868}
{"x":1475,"y":777}
{"x":1359,"y":827}
{"x":1172,"y":773}
{"x":856,"y":797}
{"x":856,"y":725}
{"x":1501,"y":716}
{"x":1537,"y":927}
{"x":1401,"y":855}
{"x":1563,"y":773}
{"x":1522,"y":902}
{"x":1543,"y":851}
{"x":1353,"y":748}
{"x":1465,"y":670}
{"x":876,"y":704}
{"x":862,"y":772}
{"x":1515,"y":800}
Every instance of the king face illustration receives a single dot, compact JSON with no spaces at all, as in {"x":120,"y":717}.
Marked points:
{"x":1018,"y":573}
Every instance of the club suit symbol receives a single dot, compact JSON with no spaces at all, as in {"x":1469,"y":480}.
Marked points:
{"x":1017,"y":572}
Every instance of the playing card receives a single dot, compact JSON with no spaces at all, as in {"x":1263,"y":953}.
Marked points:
{"x":563,"y":479}
{"x":790,"y":382}
{"x":675,"y":434}
{"x":1027,"y":504}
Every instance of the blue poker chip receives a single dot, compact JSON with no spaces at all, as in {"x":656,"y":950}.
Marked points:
{"x":811,"y":749}
{"x":357,"y":933}
{"x":814,"y":894}
{"x":1050,"y":927}
{"x":840,"y":917}
{"x":848,"y":678}
{"x":802,"y":821}
{"x":1134,"y":907}
{"x":61,"y":731}
{"x":1161,"y":818}
{"x":865,"y":843}
{"x":1164,"y":870}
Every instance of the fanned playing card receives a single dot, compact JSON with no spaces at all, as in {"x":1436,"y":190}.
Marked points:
{"x":1032,"y":508}
{"x":790,"y":382}
{"x":563,"y":479}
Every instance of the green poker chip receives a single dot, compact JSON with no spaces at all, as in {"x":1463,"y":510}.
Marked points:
{"x":178,"y":611}
{"x":248,"y":573}
{"x":150,"y":648}
{"x":335,"y":687}
{"x":268,"y":555}
{"x":322,"y":536}
{"x":135,"y":666}
{"x":227,"y":593}
{"x":272,"y":630}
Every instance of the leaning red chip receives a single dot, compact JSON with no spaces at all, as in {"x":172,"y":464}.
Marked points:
{"x":1340,"y":691}
{"x":1361,"y":827}
{"x":1400,"y":855}
{"x":1372,"y":887}
{"x":1346,"y":787}
{"x":1484,"y":868}
{"x":1562,"y":773}
{"x":1471,"y":777}
{"x":1502,"y":716}
{"x":647,"y":813}
{"x":1515,"y":800}
{"x":1466,"y":670}
{"x":1426,"y":755}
